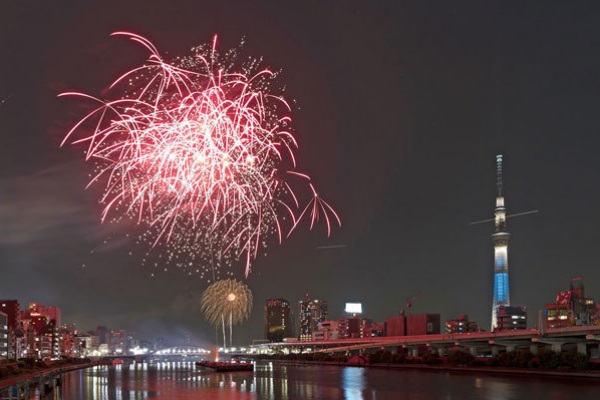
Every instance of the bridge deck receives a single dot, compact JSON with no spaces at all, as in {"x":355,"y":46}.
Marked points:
{"x":574,"y":334}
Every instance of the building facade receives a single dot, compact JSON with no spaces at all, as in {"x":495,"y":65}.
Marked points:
{"x":422,"y":324}
{"x":278,"y":320}
{"x":12,"y":309}
{"x":396,"y":325}
{"x":310,"y":314}
{"x":50,"y":312}
{"x":327,"y":330}
{"x":511,"y":318}
{"x":571,"y":308}
{"x":3,"y":336}
{"x":461,"y":325}
{"x":370,"y":328}
{"x":35,"y":333}
{"x":349,"y":328}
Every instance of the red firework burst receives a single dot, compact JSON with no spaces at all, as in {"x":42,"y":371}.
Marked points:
{"x":200,"y":154}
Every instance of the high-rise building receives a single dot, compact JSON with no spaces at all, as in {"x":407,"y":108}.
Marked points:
{"x":41,"y":330}
{"x":310,"y":313}
{"x":500,"y":239}
{"x":278,"y":320}
{"x":118,"y":341}
{"x":12,"y":309}
{"x":3,"y":336}
{"x":68,"y":342}
{"x":49,"y":341}
{"x":52,"y":313}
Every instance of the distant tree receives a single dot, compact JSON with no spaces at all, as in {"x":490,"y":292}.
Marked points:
{"x":460,"y":358}
{"x":431,"y":358}
{"x":574,"y":360}
{"x":548,"y":359}
{"x":515,"y":359}
{"x":380,"y":356}
{"x":399,"y":358}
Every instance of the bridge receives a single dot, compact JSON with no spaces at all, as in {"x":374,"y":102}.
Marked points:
{"x":171,"y":352}
{"x":187,"y":351}
{"x":583,"y":339}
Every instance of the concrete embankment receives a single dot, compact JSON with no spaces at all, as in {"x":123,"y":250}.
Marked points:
{"x":561,"y":373}
{"x":493,"y":370}
{"x":16,"y":379}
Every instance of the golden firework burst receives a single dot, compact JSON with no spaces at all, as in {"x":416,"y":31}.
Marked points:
{"x":226,"y":302}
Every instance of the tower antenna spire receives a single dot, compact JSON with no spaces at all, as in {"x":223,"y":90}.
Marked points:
{"x":499,"y":175}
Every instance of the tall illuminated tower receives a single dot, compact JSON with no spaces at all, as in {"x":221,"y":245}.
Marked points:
{"x":278,"y":320}
{"x":500,"y":239}
{"x":310,"y":314}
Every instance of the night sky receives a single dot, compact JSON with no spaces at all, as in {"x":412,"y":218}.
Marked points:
{"x":402,"y":108}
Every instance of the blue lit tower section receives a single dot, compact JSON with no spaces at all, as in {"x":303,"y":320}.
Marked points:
{"x":500,"y":239}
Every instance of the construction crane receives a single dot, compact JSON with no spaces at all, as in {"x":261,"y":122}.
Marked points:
{"x":410,"y":300}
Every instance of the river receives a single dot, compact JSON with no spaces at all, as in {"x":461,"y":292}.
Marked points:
{"x":182,"y":381}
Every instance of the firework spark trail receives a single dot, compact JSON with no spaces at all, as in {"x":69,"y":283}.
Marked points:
{"x":226,"y":302}
{"x":199,"y":153}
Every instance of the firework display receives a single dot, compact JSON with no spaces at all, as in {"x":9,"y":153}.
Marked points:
{"x":199,"y":151}
{"x":226,"y":303}
{"x":226,"y":299}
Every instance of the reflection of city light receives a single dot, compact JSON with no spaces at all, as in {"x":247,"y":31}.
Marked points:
{"x":353,"y":383}
{"x":139,"y":350}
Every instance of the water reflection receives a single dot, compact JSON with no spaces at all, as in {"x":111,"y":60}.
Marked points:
{"x":353,"y":383}
{"x":182,"y":381}
{"x":159,"y":381}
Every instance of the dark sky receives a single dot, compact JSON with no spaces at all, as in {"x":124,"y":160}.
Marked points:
{"x":402,"y":107}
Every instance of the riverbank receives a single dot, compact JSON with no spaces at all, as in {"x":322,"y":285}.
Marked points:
{"x":55,"y":370}
{"x":562,"y":373}
{"x":493,"y":370}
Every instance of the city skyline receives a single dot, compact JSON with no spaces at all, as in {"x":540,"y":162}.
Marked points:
{"x":570,"y":307}
{"x":400,"y":109}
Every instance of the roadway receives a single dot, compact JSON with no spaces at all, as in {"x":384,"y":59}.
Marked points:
{"x":585,"y":338}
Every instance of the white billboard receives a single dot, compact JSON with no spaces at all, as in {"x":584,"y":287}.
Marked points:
{"x":353,"y":308}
